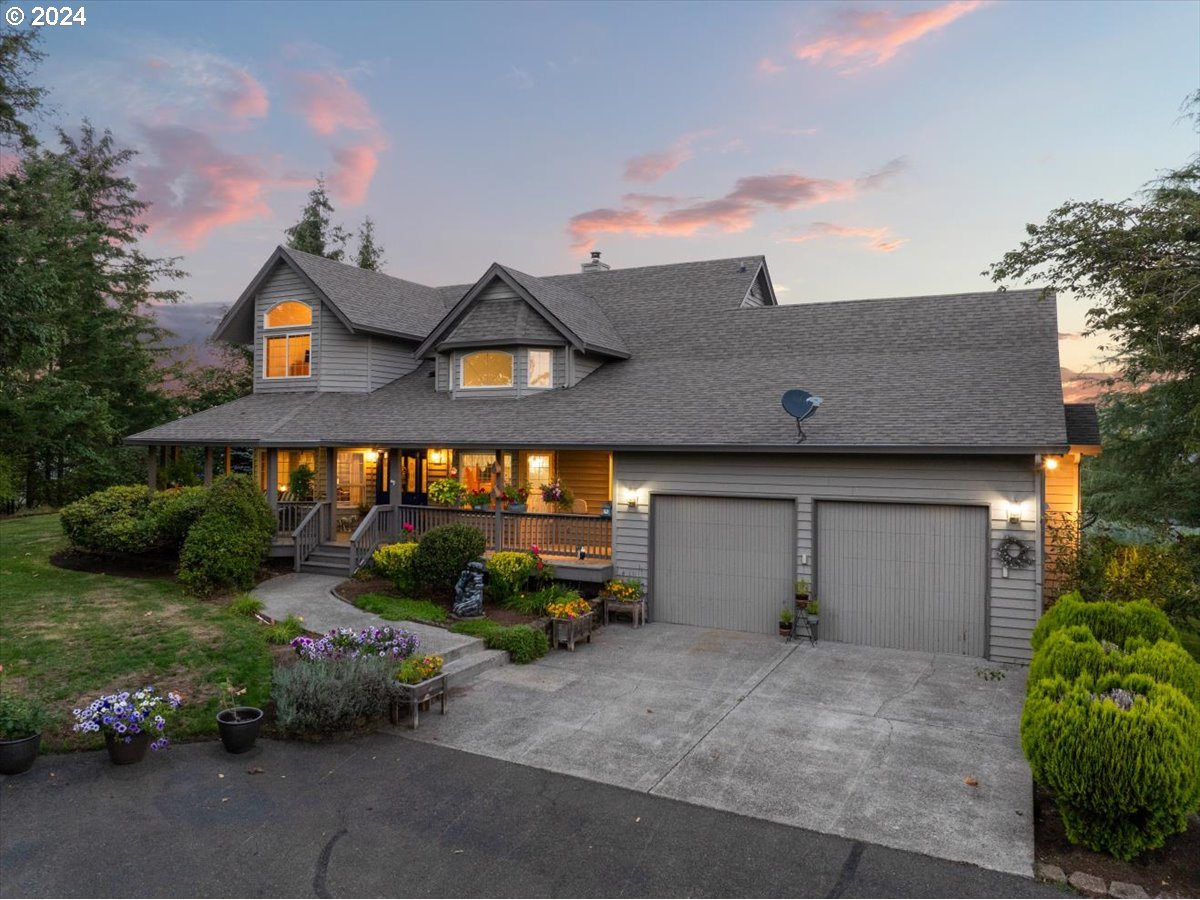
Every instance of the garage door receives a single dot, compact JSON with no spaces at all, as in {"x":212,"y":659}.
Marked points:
{"x":903,"y":575}
{"x":722,"y":562}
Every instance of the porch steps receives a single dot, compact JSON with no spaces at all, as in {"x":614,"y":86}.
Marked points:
{"x":328,"y":559}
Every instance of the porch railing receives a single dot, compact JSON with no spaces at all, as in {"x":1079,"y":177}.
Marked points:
{"x":554,"y":534}
{"x":290,"y":513}
{"x":309,"y":533}
{"x":377,"y":527}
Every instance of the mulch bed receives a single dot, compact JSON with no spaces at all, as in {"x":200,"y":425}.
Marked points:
{"x":149,"y":566}
{"x":1172,"y":871}
{"x":353,"y":588}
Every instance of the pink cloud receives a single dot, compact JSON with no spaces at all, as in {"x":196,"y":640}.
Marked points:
{"x":878,"y":239}
{"x":734,"y":212}
{"x":195,"y":187}
{"x":246,"y":98}
{"x":653,"y":166}
{"x":328,"y":103}
{"x":355,"y":167}
{"x":768,"y":66}
{"x":871,"y":38}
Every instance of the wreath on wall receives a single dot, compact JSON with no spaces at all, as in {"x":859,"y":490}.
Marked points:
{"x":1014,"y":553}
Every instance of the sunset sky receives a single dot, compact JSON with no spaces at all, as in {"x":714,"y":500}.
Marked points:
{"x":868,"y":149}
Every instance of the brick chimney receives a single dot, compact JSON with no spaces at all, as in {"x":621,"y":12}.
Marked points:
{"x":594,"y":264}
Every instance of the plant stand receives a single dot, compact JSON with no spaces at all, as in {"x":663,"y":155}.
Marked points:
{"x":635,"y":608}
{"x":413,"y":695}
{"x":569,"y":631}
{"x":804,"y":627}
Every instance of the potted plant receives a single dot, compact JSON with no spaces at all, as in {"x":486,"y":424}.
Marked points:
{"x":20,"y":733}
{"x":479,"y":499}
{"x":556,"y":494}
{"x":238,"y":725}
{"x":786,"y":617}
{"x":624,"y":595}
{"x":570,"y":620}
{"x":801,"y":593}
{"x":813,"y":610}
{"x":515,"y":497}
{"x":419,"y":681}
{"x":446,"y":492}
{"x":129,"y":721}
{"x":301,"y":481}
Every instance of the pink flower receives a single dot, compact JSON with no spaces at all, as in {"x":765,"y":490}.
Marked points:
{"x":534,"y":550}
{"x":408,"y":526}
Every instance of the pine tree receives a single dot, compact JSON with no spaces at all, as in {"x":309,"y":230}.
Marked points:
{"x":370,"y":253}
{"x":314,"y":233}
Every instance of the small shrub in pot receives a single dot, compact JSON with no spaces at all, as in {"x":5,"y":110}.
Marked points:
{"x":20,"y":733}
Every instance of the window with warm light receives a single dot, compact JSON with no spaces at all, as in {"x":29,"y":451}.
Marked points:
{"x":541,"y":369}
{"x":287,"y":314}
{"x":287,"y":356}
{"x":487,"y":369}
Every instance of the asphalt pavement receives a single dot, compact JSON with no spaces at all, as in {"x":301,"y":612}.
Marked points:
{"x":385,"y":816}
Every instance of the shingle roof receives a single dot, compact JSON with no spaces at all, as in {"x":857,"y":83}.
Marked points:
{"x":964,"y":372}
{"x":581,"y":315}
{"x":1083,"y":424}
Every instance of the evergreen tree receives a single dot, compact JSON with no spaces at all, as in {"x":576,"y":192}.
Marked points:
{"x":18,"y":97}
{"x":370,"y":253}
{"x":314,"y":233}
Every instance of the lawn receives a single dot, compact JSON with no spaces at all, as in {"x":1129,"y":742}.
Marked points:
{"x":67,"y":637}
{"x":398,"y":609}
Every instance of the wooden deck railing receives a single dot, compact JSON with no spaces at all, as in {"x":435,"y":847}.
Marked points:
{"x":377,"y":527}
{"x":289,"y":514}
{"x":309,"y":533}
{"x":554,"y":534}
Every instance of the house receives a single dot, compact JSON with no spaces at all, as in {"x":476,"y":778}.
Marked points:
{"x":654,"y":394}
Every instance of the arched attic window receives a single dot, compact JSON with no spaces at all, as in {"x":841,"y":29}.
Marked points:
{"x":287,"y":355}
{"x":487,"y":369}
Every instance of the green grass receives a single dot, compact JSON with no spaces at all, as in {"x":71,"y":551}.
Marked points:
{"x":398,"y":609}
{"x":523,"y":643}
{"x":66,"y":637}
{"x":245,"y":605}
{"x":286,"y":631}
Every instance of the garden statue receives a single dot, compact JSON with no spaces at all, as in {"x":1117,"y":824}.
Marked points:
{"x":468,"y":592}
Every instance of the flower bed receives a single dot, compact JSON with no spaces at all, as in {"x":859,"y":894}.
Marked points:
{"x":346,"y":643}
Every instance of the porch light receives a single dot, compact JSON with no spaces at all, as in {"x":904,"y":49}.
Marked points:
{"x":371,"y":455}
{"x":1014,"y":512}
{"x":437,"y":457}
{"x":631,"y":499}
{"x":1051,"y":463}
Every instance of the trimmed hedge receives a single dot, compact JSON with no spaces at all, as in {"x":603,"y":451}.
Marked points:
{"x":171,"y":514}
{"x":230,"y":540}
{"x":1108,"y":621}
{"x":444,"y":552}
{"x":1071,"y":652}
{"x":397,"y":563}
{"x":1121,"y":753}
{"x":109,"y":521}
{"x":523,"y":643}
{"x":507,"y":573}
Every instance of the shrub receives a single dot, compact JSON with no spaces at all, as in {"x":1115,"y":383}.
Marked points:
{"x":231,"y":538}
{"x":1121,"y":754}
{"x":1108,"y":621}
{"x":245,"y":605}
{"x":418,"y":669}
{"x":1155,"y":572}
{"x":444,"y":552}
{"x":109,"y":521}
{"x":507,"y":573}
{"x":285,"y":631}
{"x":346,"y":643}
{"x":398,"y":609}
{"x":524,"y":644}
{"x":535,"y":603}
{"x":447,"y":491}
{"x":171,"y":514}
{"x":332,"y":696}
{"x":396,"y":562}
{"x":19,"y":717}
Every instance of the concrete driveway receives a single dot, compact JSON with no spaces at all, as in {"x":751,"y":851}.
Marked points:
{"x":875,"y":745}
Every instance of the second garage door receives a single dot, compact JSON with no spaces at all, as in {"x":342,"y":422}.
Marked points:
{"x":722,"y":562}
{"x":903,"y":575}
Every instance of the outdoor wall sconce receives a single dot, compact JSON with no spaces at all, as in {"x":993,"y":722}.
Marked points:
{"x":437,"y":457}
{"x":1050,"y":463}
{"x":1014,"y":512}
{"x":631,"y":499}
{"x":371,"y":455}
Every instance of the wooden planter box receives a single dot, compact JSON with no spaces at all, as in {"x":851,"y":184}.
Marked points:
{"x":413,"y":695}
{"x":569,"y":631}
{"x":635,"y":608}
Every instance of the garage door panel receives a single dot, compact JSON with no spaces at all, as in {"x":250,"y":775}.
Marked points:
{"x":722,"y":562}
{"x":907,"y":576}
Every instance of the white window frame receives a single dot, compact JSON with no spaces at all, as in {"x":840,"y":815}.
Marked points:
{"x":549,"y":351}
{"x":462,"y":363}
{"x":275,"y":306}
{"x":286,"y":337}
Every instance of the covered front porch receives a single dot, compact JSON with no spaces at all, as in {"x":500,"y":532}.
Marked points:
{"x":335,"y":505}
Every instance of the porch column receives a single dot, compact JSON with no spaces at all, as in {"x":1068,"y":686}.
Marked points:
{"x":152,"y":467}
{"x":272,"y":479}
{"x":208,"y":466}
{"x":497,"y":490}
{"x":393,"y":487}
{"x":330,"y":491}
{"x":228,"y":460}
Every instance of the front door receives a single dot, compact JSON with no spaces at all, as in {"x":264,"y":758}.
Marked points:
{"x":411,"y":478}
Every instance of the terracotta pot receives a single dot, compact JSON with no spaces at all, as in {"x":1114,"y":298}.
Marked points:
{"x":18,"y":756}
{"x":125,"y":754}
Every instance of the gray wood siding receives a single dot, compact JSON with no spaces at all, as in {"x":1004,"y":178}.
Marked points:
{"x":388,"y":360}
{"x":903,"y":575}
{"x":284,"y":284}
{"x":499,"y":314}
{"x":583,"y":365}
{"x":723,"y":562}
{"x":441,"y":369}
{"x":343,"y":357}
{"x":756,"y":296}
{"x":1014,"y":602}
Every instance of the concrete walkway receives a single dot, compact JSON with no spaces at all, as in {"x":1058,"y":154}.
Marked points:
{"x":910,"y":750}
{"x":311,"y":597}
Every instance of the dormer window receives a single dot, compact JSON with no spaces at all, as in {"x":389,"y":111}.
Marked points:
{"x":541,"y":369}
{"x":486,"y":369}
{"x":287,"y":355}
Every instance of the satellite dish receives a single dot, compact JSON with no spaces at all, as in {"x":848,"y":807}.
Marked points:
{"x":800,"y":405}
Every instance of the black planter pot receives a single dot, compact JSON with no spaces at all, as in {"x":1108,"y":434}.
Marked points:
{"x":123,"y":754}
{"x":18,"y":756}
{"x":239,"y":727}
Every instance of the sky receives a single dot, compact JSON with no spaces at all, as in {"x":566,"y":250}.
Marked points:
{"x":867,"y":149}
